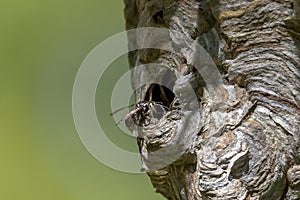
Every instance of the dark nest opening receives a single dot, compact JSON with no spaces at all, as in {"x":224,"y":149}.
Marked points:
{"x":160,"y":94}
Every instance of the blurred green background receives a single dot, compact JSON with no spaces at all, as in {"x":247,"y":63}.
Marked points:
{"x":42,"y":46}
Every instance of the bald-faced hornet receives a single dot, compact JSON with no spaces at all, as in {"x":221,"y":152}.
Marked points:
{"x":144,"y":112}
{"x":151,"y":110}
